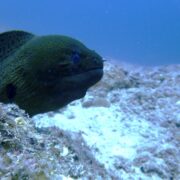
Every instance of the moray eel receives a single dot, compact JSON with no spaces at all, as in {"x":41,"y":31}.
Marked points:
{"x":44,"y":73}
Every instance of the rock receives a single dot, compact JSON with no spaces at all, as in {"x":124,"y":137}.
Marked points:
{"x":96,"y":102}
{"x":154,"y":168}
{"x":28,"y":152}
{"x":65,"y":152}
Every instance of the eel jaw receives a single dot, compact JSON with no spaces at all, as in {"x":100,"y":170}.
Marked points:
{"x":82,"y":80}
{"x":75,"y":88}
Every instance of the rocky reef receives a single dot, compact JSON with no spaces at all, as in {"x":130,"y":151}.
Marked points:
{"x":27,"y":152}
{"x":126,"y":127}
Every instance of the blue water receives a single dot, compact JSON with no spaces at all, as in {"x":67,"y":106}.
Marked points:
{"x":138,"y":31}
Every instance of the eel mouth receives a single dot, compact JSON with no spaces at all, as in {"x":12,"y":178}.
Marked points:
{"x":80,"y":81}
{"x":77,"y":72}
{"x":95,"y":73}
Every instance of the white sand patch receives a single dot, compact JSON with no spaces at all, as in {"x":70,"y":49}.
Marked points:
{"x":107,"y":131}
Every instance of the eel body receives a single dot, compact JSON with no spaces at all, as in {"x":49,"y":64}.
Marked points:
{"x":44,"y":73}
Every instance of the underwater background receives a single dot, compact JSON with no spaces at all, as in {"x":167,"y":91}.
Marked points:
{"x":139,"y":32}
{"x":127,"y":126}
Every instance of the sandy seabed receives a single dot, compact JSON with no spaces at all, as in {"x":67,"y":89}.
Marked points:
{"x":126,"y":127}
{"x":129,"y":122}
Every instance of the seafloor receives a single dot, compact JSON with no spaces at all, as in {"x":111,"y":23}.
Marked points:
{"x":127,"y":127}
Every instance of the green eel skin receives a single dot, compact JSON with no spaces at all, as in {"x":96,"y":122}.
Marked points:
{"x":44,"y":73}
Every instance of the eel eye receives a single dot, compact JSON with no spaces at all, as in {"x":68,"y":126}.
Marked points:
{"x":75,"y":58}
